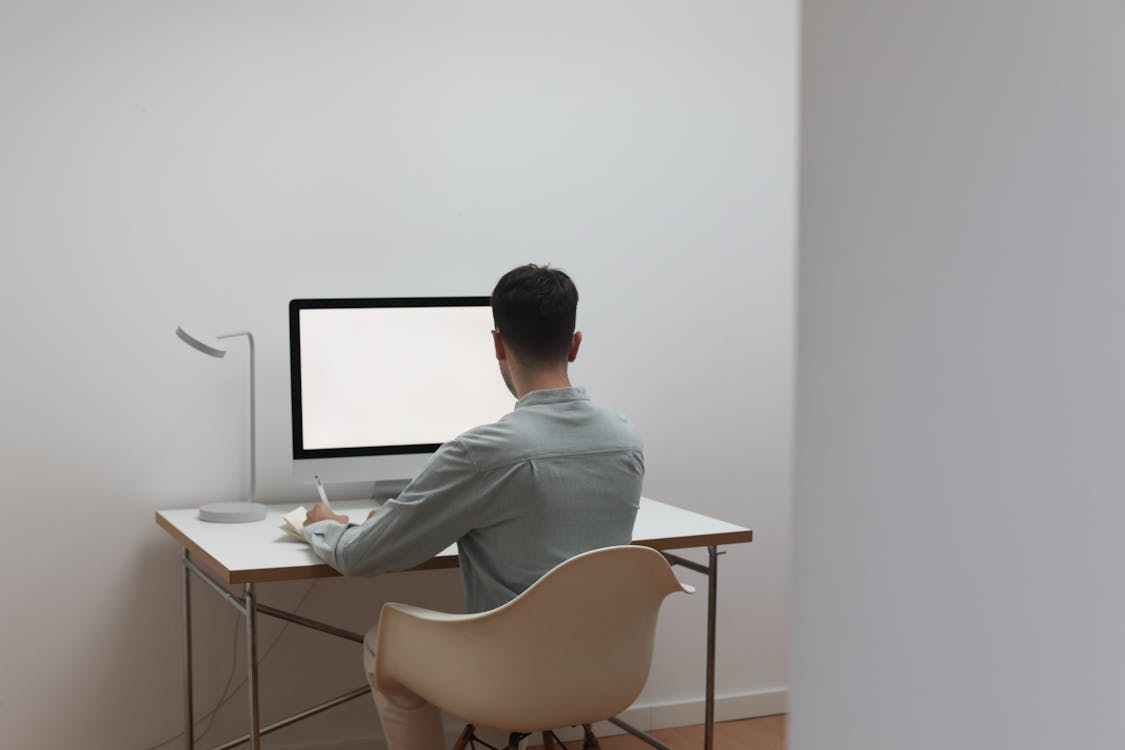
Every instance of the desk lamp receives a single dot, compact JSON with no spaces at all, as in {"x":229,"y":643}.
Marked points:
{"x":239,"y":512}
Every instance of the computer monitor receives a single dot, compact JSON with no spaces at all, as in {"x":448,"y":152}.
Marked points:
{"x":379,"y":384}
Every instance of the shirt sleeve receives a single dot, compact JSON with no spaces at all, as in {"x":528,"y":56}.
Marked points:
{"x":441,"y":505}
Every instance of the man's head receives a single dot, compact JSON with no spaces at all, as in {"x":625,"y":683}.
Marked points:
{"x":533,"y":310}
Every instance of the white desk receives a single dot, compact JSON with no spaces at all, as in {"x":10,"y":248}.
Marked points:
{"x":260,"y":552}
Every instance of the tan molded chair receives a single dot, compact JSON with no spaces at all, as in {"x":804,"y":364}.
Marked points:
{"x":573,"y":649}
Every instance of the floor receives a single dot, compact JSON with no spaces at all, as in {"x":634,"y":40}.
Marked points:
{"x":765,"y":733}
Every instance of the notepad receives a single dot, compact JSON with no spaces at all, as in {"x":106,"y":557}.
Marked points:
{"x":293,"y":521}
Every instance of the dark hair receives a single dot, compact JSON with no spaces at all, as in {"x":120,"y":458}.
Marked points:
{"x":533,"y":308}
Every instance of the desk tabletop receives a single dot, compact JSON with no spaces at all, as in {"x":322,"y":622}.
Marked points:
{"x":260,"y":551}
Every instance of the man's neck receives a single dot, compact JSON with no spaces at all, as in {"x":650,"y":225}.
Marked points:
{"x":538,"y":380}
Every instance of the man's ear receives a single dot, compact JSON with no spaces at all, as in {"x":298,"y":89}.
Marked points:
{"x":498,"y":343}
{"x":575,"y":342}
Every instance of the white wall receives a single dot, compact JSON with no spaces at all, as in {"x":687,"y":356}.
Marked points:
{"x":959,"y":481}
{"x":185,"y":161}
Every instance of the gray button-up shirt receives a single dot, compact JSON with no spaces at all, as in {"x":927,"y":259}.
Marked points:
{"x":556,"y":477}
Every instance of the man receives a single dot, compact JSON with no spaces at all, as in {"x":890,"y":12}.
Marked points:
{"x":556,"y":477}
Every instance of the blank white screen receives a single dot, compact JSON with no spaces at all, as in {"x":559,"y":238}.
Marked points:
{"x":397,"y":375}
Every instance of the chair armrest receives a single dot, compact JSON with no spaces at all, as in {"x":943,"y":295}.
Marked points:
{"x":430,"y":615}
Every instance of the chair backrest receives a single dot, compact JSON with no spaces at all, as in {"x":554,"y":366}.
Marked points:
{"x":574,"y":648}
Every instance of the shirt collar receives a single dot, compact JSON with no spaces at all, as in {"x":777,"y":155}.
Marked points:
{"x":553,"y":396}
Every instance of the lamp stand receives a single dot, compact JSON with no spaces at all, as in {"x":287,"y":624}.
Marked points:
{"x":249,"y":510}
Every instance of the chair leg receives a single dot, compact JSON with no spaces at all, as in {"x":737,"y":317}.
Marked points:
{"x":549,"y":741}
{"x":589,"y":740}
{"x":463,"y":740}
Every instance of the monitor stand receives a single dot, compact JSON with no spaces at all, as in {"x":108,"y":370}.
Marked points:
{"x":387,"y":489}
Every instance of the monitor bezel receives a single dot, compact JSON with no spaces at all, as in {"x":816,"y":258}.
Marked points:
{"x":295,"y":308}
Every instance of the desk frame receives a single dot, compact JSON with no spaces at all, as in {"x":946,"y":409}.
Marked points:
{"x":249,"y":607}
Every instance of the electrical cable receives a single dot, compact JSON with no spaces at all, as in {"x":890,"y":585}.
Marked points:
{"x":227,"y":693}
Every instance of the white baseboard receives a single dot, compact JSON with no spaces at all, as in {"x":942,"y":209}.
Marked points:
{"x":645,"y":718}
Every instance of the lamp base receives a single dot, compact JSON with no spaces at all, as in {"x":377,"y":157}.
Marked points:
{"x":232,"y":512}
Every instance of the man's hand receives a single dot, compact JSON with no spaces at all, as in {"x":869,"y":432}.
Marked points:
{"x":321,"y":512}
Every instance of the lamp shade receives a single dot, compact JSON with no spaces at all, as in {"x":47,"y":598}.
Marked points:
{"x":204,"y":342}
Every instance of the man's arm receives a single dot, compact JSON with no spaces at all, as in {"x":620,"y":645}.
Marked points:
{"x":321,"y":512}
{"x":442,"y":504}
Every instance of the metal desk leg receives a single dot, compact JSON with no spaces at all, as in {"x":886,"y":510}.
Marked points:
{"x":252,"y":666}
{"x":712,"y":600}
{"x":711,"y":570}
{"x":189,"y":714}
